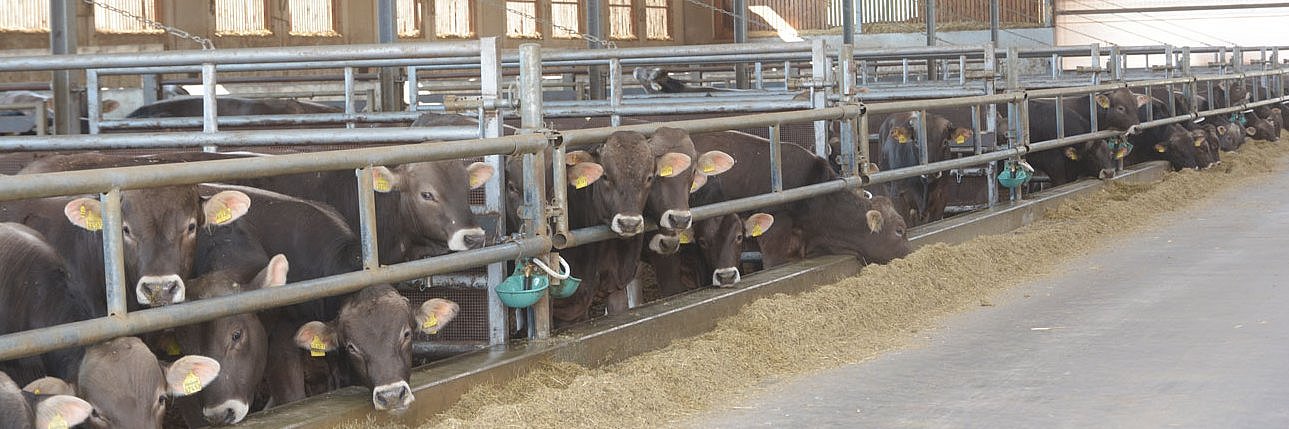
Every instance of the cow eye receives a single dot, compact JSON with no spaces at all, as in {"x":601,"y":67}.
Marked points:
{"x":352,"y":348}
{"x":192,"y":227}
{"x":427,"y":196}
{"x":1119,"y":108}
{"x":237,"y":335}
{"x":899,"y":232}
{"x":125,"y":229}
{"x":161,"y":400}
{"x":407,"y":335}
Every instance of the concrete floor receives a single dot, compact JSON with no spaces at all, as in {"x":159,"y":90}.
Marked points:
{"x":1183,"y":325}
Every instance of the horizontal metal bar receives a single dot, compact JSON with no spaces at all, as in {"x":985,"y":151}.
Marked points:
{"x":335,"y":136}
{"x":1155,"y":9}
{"x":101,"y":180}
{"x":909,"y":106}
{"x":261,"y":120}
{"x":37,"y":341}
{"x":241,"y":56}
{"x":595,"y":135}
{"x":674,"y":109}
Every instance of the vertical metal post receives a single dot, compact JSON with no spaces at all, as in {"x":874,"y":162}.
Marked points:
{"x":209,"y":104}
{"x":776,"y":159}
{"x":1095,"y":56}
{"x":759,"y":73}
{"x":413,"y":93}
{"x":846,"y":62}
{"x":349,"y":96}
{"x":151,"y":85}
{"x":990,"y":65}
{"x":930,"y":36}
{"x":530,"y":109}
{"x":1190,"y":89}
{"x":993,"y":21}
{"x":740,"y":36}
{"x":962,"y":69}
{"x":367,"y":218}
{"x":615,"y":90}
{"x":1237,"y":59}
{"x":494,"y":200}
{"x":922,"y":143}
{"x":93,"y":105}
{"x":865,"y":153}
{"x":62,"y":41}
{"x":387,"y":32}
{"x":848,"y":22}
{"x":1060,"y":117}
{"x":42,"y":121}
{"x":1170,"y":63}
{"x":113,"y":253}
{"x":595,"y":28}
{"x":1116,"y":65}
{"x":819,"y":93}
{"x":1015,"y":109}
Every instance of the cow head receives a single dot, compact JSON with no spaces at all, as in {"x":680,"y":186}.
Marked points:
{"x":1259,"y":128}
{"x":1180,"y":149}
{"x":1093,"y":157}
{"x":1230,"y":136}
{"x":26,"y":409}
{"x":433,"y":200}
{"x":619,"y":174}
{"x":159,"y":226}
{"x":129,"y":388}
{"x":1117,"y":110}
{"x":668,"y":200}
{"x":374,"y":332}
{"x":1211,"y":143}
{"x":238,"y":342}
{"x":721,"y":241}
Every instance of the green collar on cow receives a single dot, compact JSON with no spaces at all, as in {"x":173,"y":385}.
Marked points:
{"x":1119,"y":146}
{"x":1240,"y":119}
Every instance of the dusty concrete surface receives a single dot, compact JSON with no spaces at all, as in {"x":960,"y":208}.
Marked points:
{"x":1180,"y":325}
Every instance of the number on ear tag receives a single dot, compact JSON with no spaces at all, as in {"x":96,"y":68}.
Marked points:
{"x":381,"y":184}
{"x":317,"y":348}
{"x":960,"y":139}
{"x":665,"y":171}
{"x":581,"y":182}
{"x":192,"y":384}
{"x":93,"y":221}
{"x":756,"y":231}
{"x":223,"y":215}
{"x":686,"y":237}
{"x":57,"y":422}
{"x":430,"y":324}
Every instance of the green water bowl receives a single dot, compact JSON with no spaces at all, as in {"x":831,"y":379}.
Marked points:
{"x":514,"y":293}
{"x":1013,"y":178}
{"x":565,"y":288}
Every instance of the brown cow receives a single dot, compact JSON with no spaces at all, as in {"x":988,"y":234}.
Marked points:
{"x":229,"y":106}
{"x":23,"y":409}
{"x":129,"y":388}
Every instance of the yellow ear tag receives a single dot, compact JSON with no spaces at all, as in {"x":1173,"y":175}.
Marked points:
{"x":223,"y":215}
{"x":710,"y":167}
{"x":430,"y":324}
{"x":381,"y":184}
{"x":686,"y":237}
{"x":960,"y":139}
{"x":317,"y":348}
{"x":192,"y":384}
{"x":1071,"y":154}
{"x":1160,"y":148}
{"x":1103,"y":101}
{"x":757,"y":231}
{"x":57,"y":422}
{"x":172,"y":347}
{"x":902,"y":139}
{"x":581,"y":182}
{"x":93,"y":221}
{"x":475,"y":182}
{"x":1199,"y":143}
{"x":665,"y":171}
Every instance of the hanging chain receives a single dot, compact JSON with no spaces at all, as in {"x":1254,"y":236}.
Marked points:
{"x":584,"y":36}
{"x":730,"y":14}
{"x":205,"y":43}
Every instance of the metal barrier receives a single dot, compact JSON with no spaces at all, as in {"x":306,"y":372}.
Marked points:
{"x":534,"y":143}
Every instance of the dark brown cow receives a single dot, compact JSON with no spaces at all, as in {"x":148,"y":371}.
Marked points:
{"x":36,"y":291}
{"x":20,"y":409}
{"x":129,"y":388}
{"x":709,"y":254}
{"x":1172,"y":142}
{"x":1087,"y":159}
{"x":374,"y":330}
{"x":668,"y":200}
{"x":918,"y":199}
{"x":229,"y":106}
{"x":239,"y":343}
{"x":828,"y":224}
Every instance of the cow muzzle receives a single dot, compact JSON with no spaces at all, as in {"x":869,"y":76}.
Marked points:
{"x":1106,"y":174}
{"x":466,"y":239}
{"x":155,"y":291}
{"x":664,"y":244}
{"x":676,"y":219}
{"x":394,"y":397}
{"x":228,"y":413}
{"x":627,"y":226}
{"x":726,"y":277}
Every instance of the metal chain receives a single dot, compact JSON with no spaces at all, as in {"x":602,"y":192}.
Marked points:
{"x":205,"y":43}
{"x":590,"y":38}
{"x":730,"y":14}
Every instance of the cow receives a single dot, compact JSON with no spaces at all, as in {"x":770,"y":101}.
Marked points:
{"x":668,"y":199}
{"x":709,"y":254}
{"x":22,"y":409}
{"x":238,"y":342}
{"x":1093,"y":158}
{"x":1172,"y":142}
{"x":845,"y":222}
{"x":919,"y":199}
{"x":655,"y":80}
{"x":129,"y":388}
{"x":374,"y":331}
{"x":229,"y":106}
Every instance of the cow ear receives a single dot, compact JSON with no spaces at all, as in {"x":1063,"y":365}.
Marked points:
{"x":383,"y":180}
{"x":49,"y":386}
{"x":715,"y":162}
{"x":1221,"y":129}
{"x":479,"y":173}
{"x":1250,"y":131}
{"x":577,"y":157}
{"x":871,"y":168}
{"x":62,"y":411}
{"x":1103,"y":101}
{"x":273,"y":274}
{"x":1159,"y":147}
{"x":700,"y":179}
{"x":225,"y":207}
{"x":758,"y":224}
{"x":584,"y":174}
{"x":1142,"y":100}
{"x":672,"y":163}
{"x":434,"y":314}
{"x":316,"y":337}
{"x":960,"y":136}
{"x":190,"y":374}
{"x":874,"y":221}
{"x":85,"y":213}
{"x":1072,"y":154}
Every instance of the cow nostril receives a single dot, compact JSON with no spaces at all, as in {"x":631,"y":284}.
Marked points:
{"x":402,"y":394}
{"x":681,"y":221}
{"x":229,"y":416}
